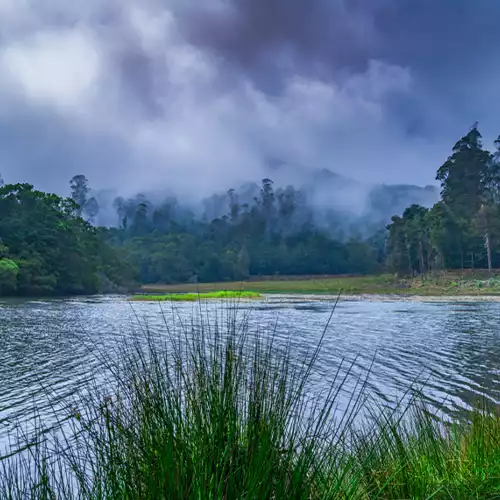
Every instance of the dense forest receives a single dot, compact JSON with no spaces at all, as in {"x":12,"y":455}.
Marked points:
{"x":46,"y":248}
{"x":50,"y":245}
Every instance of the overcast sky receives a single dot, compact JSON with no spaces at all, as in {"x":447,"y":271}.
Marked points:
{"x":195,"y":95}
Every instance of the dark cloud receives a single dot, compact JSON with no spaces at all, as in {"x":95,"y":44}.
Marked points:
{"x":271,"y":38}
{"x":450,"y":46}
{"x":339,"y":34}
{"x":198,"y":95}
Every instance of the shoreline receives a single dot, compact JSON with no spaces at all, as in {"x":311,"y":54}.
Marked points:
{"x":449,"y":285}
{"x":379,"y":297}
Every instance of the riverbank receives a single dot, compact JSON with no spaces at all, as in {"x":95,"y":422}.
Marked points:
{"x":223,"y":414}
{"x":453,"y":283}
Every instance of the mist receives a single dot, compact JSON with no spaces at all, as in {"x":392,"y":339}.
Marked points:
{"x":175,"y":97}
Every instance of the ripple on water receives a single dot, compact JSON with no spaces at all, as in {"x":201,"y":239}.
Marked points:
{"x":51,"y":348}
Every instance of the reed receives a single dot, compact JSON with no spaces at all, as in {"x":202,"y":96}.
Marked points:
{"x":221,"y":412}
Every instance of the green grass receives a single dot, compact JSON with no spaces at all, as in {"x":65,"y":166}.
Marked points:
{"x":448,"y":283}
{"x":220,"y":412}
{"x":311,"y":285}
{"x":191,"y":297}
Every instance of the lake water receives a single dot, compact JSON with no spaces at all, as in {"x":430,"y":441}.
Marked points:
{"x":49,"y":350}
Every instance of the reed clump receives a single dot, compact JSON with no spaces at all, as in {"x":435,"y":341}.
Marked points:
{"x":219,"y":412}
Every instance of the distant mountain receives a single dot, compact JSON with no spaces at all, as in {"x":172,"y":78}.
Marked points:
{"x":393,"y":199}
{"x":335,"y":202}
{"x":325,"y":188}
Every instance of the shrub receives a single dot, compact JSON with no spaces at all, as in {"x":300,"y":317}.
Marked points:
{"x":9,"y":271}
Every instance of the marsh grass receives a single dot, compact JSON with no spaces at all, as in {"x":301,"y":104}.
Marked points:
{"x":222,"y":412}
{"x":192,"y":297}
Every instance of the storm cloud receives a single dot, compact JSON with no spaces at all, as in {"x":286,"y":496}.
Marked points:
{"x":196,"y":96}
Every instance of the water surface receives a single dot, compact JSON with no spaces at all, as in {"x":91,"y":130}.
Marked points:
{"x":50,"y":349}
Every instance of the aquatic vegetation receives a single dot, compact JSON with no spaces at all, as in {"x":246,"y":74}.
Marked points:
{"x":191,"y":297}
{"x":222,"y":412}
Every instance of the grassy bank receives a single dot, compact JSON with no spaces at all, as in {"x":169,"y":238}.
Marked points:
{"x":223,"y":413}
{"x":192,"y":297}
{"x":445,"y":283}
{"x":311,"y":284}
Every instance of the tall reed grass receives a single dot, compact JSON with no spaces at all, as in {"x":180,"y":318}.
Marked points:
{"x":221,"y":412}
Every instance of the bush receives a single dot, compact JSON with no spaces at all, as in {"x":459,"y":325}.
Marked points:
{"x":9,"y":271}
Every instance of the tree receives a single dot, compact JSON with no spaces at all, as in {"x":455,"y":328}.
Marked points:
{"x":287,"y":205}
{"x":79,"y":192}
{"x":398,"y":251}
{"x":470,"y":181}
{"x":496,"y":154}
{"x":9,"y":271}
{"x":119,"y":205}
{"x":91,"y":209}
{"x":417,"y":237}
{"x":484,"y":216}
{"x":234,"y":206}
{"x":466,"y":175}
{"x":54,"y":251}
{"x":408,"y":247}
{"x":140,"y":219}
{"x":267,"y":194}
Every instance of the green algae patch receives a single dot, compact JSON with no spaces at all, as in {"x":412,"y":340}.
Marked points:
{"x":191,"y":297}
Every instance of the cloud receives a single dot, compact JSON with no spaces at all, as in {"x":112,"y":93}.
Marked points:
{"x":143,"y":95}
{"x":53,"y":69}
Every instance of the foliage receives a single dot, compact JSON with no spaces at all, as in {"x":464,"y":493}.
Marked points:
{"x":190,"y":297}
{"x":267,"y":237}
{"x":49,"y":249}
{"x":9,"y":271}
{"x":264,"y":232}
{"x":222,"y":413}
{"x":463,"y":229}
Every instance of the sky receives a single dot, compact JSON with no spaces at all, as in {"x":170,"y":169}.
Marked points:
{"x":196,"y":96}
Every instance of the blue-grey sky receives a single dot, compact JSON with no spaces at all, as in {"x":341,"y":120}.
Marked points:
{"x":198,"y":95}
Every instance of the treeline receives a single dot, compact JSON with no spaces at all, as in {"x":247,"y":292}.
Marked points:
{"x":267,"y":237}
{"x":49,"y":244}
{"x":46,"y":248}
{"x":462,"y":230}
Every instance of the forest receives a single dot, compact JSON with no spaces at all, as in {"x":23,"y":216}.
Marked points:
{"x":46,"y":248}
{"x":51,"y":245}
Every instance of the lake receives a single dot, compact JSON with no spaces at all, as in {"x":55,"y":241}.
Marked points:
{"x":51,"y":349}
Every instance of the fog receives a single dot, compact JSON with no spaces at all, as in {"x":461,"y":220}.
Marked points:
{"x":169,"y":95}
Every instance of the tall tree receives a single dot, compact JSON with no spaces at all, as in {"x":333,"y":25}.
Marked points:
{"x":91,"y":209}
{"x":465,"y":176}
{"x":470,"y":181}
{"x":79,"y":192}
{"x":119,"y":204}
